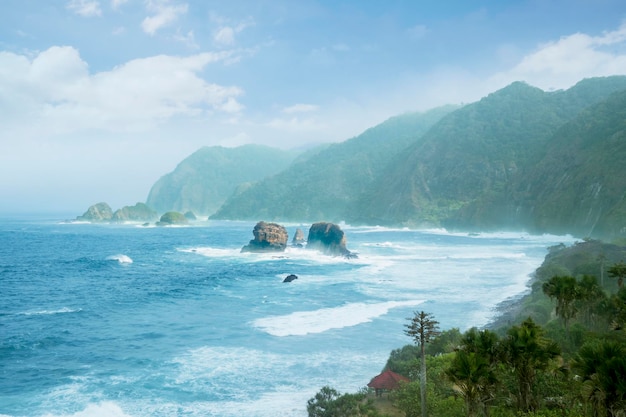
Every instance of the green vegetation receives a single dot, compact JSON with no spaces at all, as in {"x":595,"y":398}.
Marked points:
{"x":203,"y":181}
{"x":567,"y":361}
{"x":172,"y":218}
{"x":520,"y":158}
{"x":328,"y":183}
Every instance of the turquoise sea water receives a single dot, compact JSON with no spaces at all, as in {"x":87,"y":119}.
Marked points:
{"x":125,"y":320}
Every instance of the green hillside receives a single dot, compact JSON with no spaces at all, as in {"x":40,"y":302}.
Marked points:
{"x":326,"y":184}
{"x":203,"y":181}
{"x":473,"y":169}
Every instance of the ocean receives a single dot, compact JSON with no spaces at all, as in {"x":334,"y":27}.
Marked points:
{"x":123,"y":320}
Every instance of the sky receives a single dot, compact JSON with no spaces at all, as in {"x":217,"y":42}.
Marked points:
{"x":100,"y":98}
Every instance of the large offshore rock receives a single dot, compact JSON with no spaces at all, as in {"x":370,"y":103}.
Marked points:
{"x":137,"y":213}
{"x":329,"y":239}
{"x":268,"y":237}
{"x":100,"y":212}
{"x":172,"y":218}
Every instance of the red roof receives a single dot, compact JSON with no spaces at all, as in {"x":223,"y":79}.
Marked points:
{"x":388,"y":380}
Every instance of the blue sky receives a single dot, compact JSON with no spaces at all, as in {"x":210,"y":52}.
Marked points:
{"x":99,"y":98}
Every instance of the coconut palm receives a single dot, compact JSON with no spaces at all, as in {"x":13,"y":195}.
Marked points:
{"x":526,"y":351}
{"x":564,"y":290}
{"x":473,"y":370}
{"x":602,"y":366}
{"x":618,"y":271}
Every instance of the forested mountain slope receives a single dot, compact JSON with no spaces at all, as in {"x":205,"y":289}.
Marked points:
{"x":203,"y":181}
{"x":325,"y":185}
{"x":477,"y":168}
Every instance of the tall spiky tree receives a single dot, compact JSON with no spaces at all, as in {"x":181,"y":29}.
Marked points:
{"x":422,"y":328}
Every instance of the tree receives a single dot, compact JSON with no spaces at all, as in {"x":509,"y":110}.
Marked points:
{"x":422,"y":328}
{"x":473,"y":370}
{"x":329,"y":402}
{"x":590,"y":296}
{"x":618,"y":271}
{"x":527,"y":351}
{"x":565,"y":290}
{"x":602,"y":366}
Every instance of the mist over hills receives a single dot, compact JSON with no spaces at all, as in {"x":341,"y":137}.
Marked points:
{"x":520,"y":158}
{"x":203,"y":180}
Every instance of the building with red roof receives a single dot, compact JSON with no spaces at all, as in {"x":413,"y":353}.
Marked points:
{"x":387,"y":381}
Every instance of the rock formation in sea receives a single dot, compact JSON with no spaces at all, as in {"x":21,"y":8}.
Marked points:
{"x":329,"y":239}
{"x":100,"y":212}
{"x":290,"y":278}
{"x":137,"y":213}
{"x":172,"y":218}
{"x":190,"y":215}
{"x":298,"y":238}
{"x":268,"y":237}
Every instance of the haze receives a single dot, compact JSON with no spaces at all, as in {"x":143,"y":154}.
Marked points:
{"x":99,"y":98}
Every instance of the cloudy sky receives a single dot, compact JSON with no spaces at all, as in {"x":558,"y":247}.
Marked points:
{"x":99,"y":98}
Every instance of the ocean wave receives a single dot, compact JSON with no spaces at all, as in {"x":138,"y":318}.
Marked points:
{"x":103,"y":409}
{"x":49,"y":312}
{"x":121,"y":258}
{"x":301,"y":323}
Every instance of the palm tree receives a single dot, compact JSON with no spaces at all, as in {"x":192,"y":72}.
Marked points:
{"x":565,"y":290}
{"x":618,"y":271}
{"x":527,"y":351}
{"x":473,"y":369}
{"x":422,"y":328}
{"x":602,"y":366}
{"x":590,"y":296}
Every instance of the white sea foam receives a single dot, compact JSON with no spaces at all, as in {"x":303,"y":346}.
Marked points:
{"x":121,"y":258}
{"x":210,"y":252}
{"x":103,"y":409}
{"x":302,"y":323}
{"x":48,"y":312}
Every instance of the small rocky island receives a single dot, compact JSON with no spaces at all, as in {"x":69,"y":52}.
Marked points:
{"x":268,"y":237}
{"x":102,"y":212}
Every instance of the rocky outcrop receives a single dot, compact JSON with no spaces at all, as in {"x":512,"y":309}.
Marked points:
{"x":298,"y":238}
{"x":172,"y":218}
{"x":268,"y":237}
{"x":191,"y":216}
{"x":137,"y":213}
{"x":290,"y":278}
{"x":329,"y":239}
{"x":100,"y":212}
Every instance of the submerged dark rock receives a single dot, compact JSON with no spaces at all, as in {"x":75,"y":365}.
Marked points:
{"x":268,"y":237}
{"x":290,"y":278}
{"x":329,"y":239}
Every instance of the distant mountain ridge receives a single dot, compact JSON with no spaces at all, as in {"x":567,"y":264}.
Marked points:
{"x":204,"y":180}
{"x":520,"y":158}
{"x":325,"y":185}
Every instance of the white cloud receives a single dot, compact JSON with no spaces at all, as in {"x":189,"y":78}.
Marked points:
{"x":562,"y":63}
{"x":117,"y":3}
{"x":54,"y":92}
{"x":85,"y":8}
{"x":189,"y":39}
{"x":225,"y":36}
{"x":164,"y":13}
{"x":296,"y":124}
{"x":300,"y":108}
{"x":226,"y":33}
